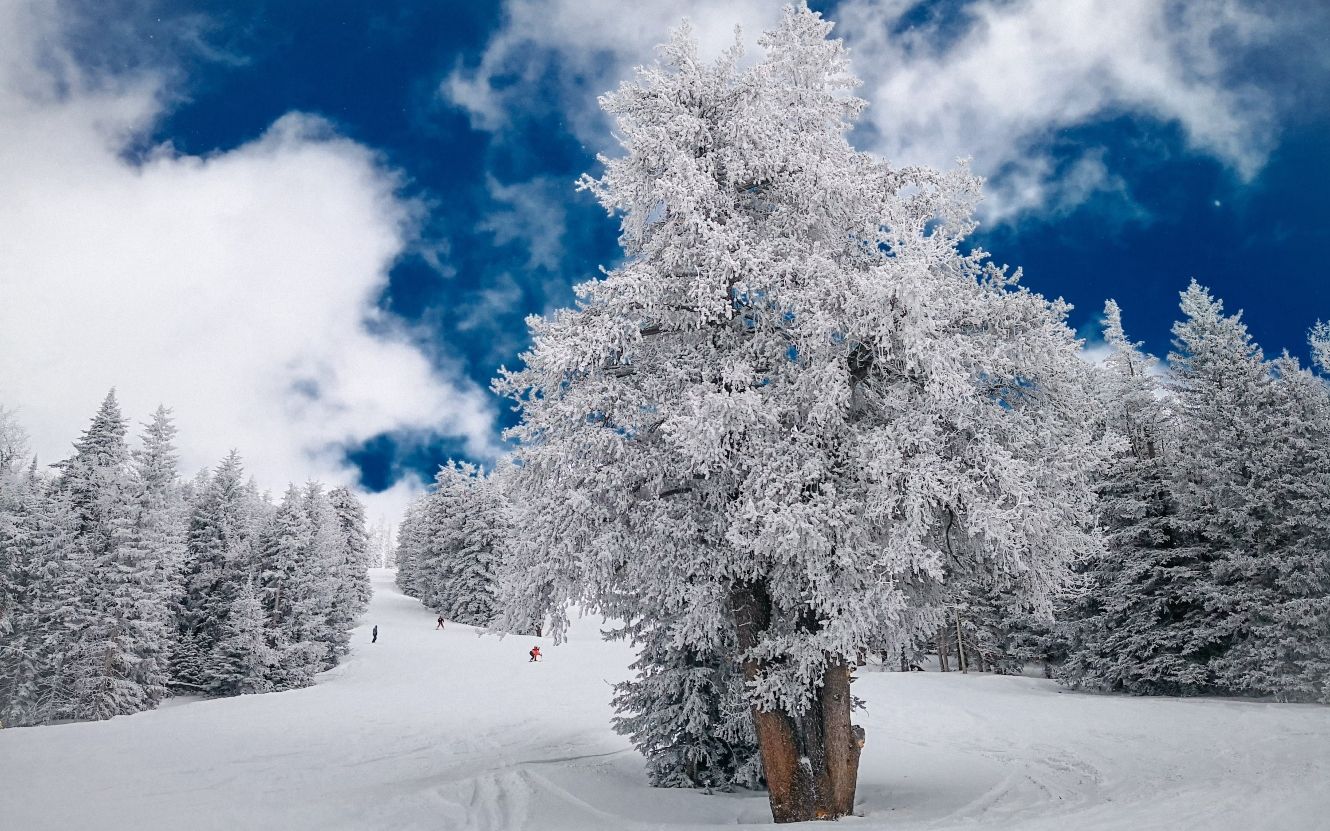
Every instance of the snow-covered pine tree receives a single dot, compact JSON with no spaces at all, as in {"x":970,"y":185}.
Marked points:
{"x":1277,"y":575}
{"x":283,"y":545}
{"x":1319,"y":340}
{"x":218,"y":563}
{"x":317,"y":582}
{"x":685,"y":711}
{"x":1130,"y":624}
{"x":466,"y":532}
{"x":381,"y":544}
{"x":796,"y":394}
{"x":1223,"y":399}
{"x":114,"y":663}
{"x":351,"y":563}
{"x":243,"y":659}
{"x":154,"y":545}
{"x":412,"y":536}
{"x":34,"y":684}
{"x":13,"y":485}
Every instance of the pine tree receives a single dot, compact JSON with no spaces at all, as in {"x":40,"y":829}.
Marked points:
{"x":350,"y":564}
{"x":685,"y":712}
{"x":797,"y":394}
{"x":1277,"y":574}
{"x":117,"y":627}
{"x":412,"y":538}
{"x":13,"y":485}
{"x":318,"y":580}
{"x":1319,"y":340}
{"x":466,"y":527}
{"x":218,"y":562}
{"x":243,"y":659}
{"x":1223,"y":396}
{"x":1131,"y":624}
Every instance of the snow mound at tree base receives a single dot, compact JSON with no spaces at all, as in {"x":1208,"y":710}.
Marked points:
{"x":449,"y":730}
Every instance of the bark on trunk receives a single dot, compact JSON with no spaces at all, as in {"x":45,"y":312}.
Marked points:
{"x":942,"y":662}
{"x":960,"y":644}
{"x":811,"y":759}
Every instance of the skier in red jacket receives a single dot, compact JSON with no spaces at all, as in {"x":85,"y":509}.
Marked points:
{"x":534,"y":653}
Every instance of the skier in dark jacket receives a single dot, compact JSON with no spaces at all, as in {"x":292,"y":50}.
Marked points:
{"x":440,"y":626}
{"x":375,"y":639}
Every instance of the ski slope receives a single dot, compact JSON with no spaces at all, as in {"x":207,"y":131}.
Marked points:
{"x":449,"y":730}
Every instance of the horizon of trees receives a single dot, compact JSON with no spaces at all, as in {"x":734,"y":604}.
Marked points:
{"x":121,"y":584}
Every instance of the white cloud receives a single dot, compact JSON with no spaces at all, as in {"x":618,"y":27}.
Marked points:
{"x":234,"y":288}
{"x":587,"y":46}
{"x":1018,"y":73}
{"x":998,"y":86}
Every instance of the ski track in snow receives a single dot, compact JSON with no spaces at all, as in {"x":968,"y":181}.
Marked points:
{"x":449,"y":730}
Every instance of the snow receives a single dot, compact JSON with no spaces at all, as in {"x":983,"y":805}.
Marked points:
{"x":450,"y":730}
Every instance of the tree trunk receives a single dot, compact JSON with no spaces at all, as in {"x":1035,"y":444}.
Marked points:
{"x":810,"y":759}
{"x":943,"y":663}
{"x":960,"y":644}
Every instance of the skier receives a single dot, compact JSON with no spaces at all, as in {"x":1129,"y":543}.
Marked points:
{"x":440,"y":626}
{"x":534,"y":653}
{"x":375,"y":639}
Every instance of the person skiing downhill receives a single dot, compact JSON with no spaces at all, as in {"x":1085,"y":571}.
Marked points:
{"x":375,"y":639}
{"x":534,"y":653}
{"x":440,"y":626}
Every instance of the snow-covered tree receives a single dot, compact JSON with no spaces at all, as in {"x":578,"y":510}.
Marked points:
{"x":117,"y":628}
{"x":1222,"y":395}
{"x":243,"y":659}
{"x":797,"y":396}
{"x":381,"y":544}
{"x":1319,"y":340}
{"x":451,"y":544}
{"x":1274,"y":578}
{"x":316,"y":607}
{"x":350,"y":562}
{"x":218,"y":562}
{"x":412,"y":535}
{"x":467,"y":528}
{"x":13,"y":455}
{"x":1129,"y":626}
{"x":686,"y":712}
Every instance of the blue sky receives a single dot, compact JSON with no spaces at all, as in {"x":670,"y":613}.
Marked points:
{"x":1130,"y":146}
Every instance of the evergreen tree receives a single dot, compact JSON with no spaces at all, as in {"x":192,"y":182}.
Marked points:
{"x":412,"y":539}
{"x":685,"y":712}
{"x":114,"y":661}
{"x":1130,"y":626}
{"x":797,"y":395}
{"x":1319,"y":340}
{"x":1275,"y":575}
{"x":1223,"y":397}
{"x":13,"y":451}
{"x":218,"y":562}
{"x":318,"y":580}
{"x":466,"y":531}
{"x":243,"y":657}
{"x":350,"y":563}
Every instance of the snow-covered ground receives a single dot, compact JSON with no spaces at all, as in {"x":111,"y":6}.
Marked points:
{"x":448,"y":730}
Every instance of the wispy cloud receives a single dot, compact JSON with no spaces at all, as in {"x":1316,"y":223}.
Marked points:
{"x":997,"y":81}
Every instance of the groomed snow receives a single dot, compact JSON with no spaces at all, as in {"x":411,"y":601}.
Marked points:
{"x":448,"y":730}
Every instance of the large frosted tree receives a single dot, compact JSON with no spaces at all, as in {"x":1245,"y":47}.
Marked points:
{"x":797,"y":404}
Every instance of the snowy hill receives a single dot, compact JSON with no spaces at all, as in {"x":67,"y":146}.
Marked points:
{"x":448,"y":730}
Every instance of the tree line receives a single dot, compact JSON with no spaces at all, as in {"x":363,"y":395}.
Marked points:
{"x":121,"y":584}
